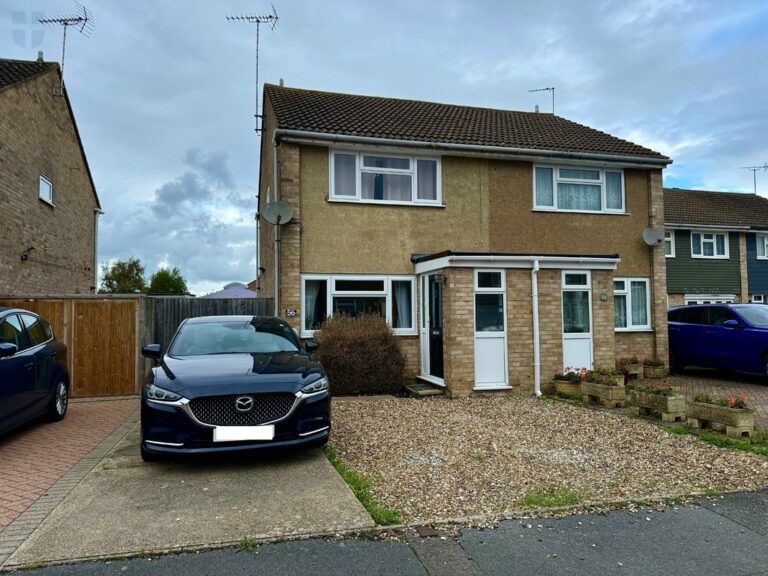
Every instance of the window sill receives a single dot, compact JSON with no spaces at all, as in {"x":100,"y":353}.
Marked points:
{"x":592,"y":212}
{"x":710,"y":257}
{"x":46,"y":202}
{"x":631,"y":330}
{"x":387,"y":203}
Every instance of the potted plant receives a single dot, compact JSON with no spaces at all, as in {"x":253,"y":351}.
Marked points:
{"x":568,"y":380}
{"x":605,"y":386}
{"x":731,"y":412}
{"x":631,"y":366}
{"x":653,"y":368}
{"x":658,"y":398}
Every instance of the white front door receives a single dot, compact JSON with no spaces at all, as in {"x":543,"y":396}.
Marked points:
{"x":431,"y":327}
{"x":577,"y":319}
{"x":490,"y":329}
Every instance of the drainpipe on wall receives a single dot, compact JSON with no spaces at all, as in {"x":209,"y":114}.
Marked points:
{"x":276,"y":183}
{"x":536,"y":343}
{"x":96,"y":213}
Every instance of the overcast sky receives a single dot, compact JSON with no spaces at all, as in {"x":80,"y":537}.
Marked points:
{"x":163,"y":93}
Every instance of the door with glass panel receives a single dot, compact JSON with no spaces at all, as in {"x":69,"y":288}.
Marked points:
{"x":431,"y":327}
{"x":577,"y":319}
{"x":490,"y":329}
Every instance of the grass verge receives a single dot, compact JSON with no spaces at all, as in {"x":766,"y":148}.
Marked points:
{"x":551,"y":498}
{"x":361,"y":487}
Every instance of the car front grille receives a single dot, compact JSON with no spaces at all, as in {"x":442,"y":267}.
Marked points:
{"x":221,"y":410}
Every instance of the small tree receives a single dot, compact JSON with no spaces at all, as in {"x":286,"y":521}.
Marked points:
{"x":166,"y":281}
{"x":123,"y":277}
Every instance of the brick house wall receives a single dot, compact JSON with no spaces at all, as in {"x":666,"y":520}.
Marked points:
{"x":38,"y":137}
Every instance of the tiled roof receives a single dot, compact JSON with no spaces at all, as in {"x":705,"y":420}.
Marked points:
{"x":700,"y":207}
{"x":390,"y":118}
{"x":15,"y":71}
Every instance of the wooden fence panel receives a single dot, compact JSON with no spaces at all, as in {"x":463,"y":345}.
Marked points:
{"x":169,"y":312}
{"x":104,"y":347}
{"x":51,"y":310}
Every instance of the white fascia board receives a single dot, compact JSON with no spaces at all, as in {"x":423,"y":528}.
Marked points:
{"x":491,"y":261}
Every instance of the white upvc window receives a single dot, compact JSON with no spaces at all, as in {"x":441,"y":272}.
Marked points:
{"x":709,"y":245}
{"x":762,"y":242}
{"x":758,"y":298}
{"x":669,"y":243}
{"x":45,"y":191}
{"x":578,"y":189}
{"x":392,"y":297}
{"x":631,"y":304}
{"x":382,"y":178}
{"x":709,"y":299}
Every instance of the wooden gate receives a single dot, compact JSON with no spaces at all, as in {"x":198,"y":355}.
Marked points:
{"x":103,"y":336}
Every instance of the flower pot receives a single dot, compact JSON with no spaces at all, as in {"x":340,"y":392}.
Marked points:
{"x":672,"y":408}
{"x":738,"y":422}
{"x":634,"y":370}
{"x":610,"y":396}
{"x":654,"y":371}
{"x":567,"y":387}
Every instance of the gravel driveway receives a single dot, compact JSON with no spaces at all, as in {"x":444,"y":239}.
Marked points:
{"x":436,"y":458}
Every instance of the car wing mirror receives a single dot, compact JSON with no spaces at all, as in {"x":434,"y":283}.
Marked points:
{"x":151,"y":351}
{"x":8,"y":349}
{"x":731,"y":324}
{"x":311,"y":346}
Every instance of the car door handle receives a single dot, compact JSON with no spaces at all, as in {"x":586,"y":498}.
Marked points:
{"x":30,"y":365}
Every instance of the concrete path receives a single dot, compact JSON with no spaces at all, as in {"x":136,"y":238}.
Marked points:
{"x":722,"y":536}
{"x":126,"y":506}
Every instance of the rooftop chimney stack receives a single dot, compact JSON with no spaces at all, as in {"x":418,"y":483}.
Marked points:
{"x":536,"y":109}
{"x":282,"y":83}
{"x":40,"y":56}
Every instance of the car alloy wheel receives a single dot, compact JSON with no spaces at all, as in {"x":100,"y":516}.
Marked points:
{"x":62,"y":399}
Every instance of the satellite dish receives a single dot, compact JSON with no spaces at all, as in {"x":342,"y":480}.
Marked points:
{"x":651,"y":236}
{"x":278,"y":213}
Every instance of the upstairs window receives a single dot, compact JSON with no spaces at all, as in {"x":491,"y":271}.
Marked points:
{"x":571,"y":189}
{"x":762,"y":253}
{"x":385,"y":179}
{"x":709,"y":245}
{"x":46,"y":190}
{"x":669,"y":243}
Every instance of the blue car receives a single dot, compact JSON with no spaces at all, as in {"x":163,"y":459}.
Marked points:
{"x":233,"y":383}
{"x":723,"y":336}
{"x":34,"y":381}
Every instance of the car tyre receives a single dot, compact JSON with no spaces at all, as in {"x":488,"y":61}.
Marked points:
{"x":60,"y":402}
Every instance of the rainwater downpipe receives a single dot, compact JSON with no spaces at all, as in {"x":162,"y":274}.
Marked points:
{"x":276,"y":185}
{"x":536,"y":342}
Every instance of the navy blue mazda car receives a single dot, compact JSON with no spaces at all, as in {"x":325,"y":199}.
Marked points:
{"x":34,"y":381}
{"x":230,"y":383}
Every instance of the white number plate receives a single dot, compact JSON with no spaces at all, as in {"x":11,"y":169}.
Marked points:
{"x":239,"y":433}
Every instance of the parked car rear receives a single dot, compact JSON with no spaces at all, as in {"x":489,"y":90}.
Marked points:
{"x":33,"y":374}
{"x":723,"y":336}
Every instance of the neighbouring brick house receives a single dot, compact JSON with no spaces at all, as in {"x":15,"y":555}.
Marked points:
{"x":715,"y":245}
{"x":49,"y":215}
{"x":501,"y":246}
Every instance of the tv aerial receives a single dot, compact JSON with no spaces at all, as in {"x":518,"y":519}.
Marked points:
{"x":271,"y":20}
{"x":82,"y":21}
{"x":653,"y":237}
{"x":755,"y":170}
{"x":547,"y":89}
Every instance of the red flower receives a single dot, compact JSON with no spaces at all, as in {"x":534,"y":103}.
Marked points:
{"x":743,"y":397}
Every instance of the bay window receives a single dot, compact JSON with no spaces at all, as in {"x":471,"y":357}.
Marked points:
{"x":392,"y":297}
{"x":631,"y":303}
{"x":386,"y":179}
{"x":709,"y":245}
{"x":578,"y":189}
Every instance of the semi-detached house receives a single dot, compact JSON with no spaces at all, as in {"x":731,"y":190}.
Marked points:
{"x":501,"y":246}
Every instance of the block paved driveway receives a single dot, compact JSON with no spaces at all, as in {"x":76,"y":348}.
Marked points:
{"x":716,"y":383}
{"x":34,"y":457}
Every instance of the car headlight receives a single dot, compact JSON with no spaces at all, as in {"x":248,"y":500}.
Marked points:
{"x":316,"y":386}
{"x":161,"y":394}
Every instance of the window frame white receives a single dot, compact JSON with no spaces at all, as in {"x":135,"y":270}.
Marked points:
{"x":360,"y":169}
{"x":602,"y":182}
{"x":626,"y":292}
{"x":764,"y":239}
{"x":331,"y":292}
{"x":757,"y":298}
{"x":709,"y":299}
{"x":714,"y":233}
{"x":493,"y":289}
{"x":671,"y":241}
{"x":49,"y":182}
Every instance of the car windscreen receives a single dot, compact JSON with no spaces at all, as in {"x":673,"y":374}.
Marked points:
{"x":755,"y":314}
{"x":237,"y":337}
